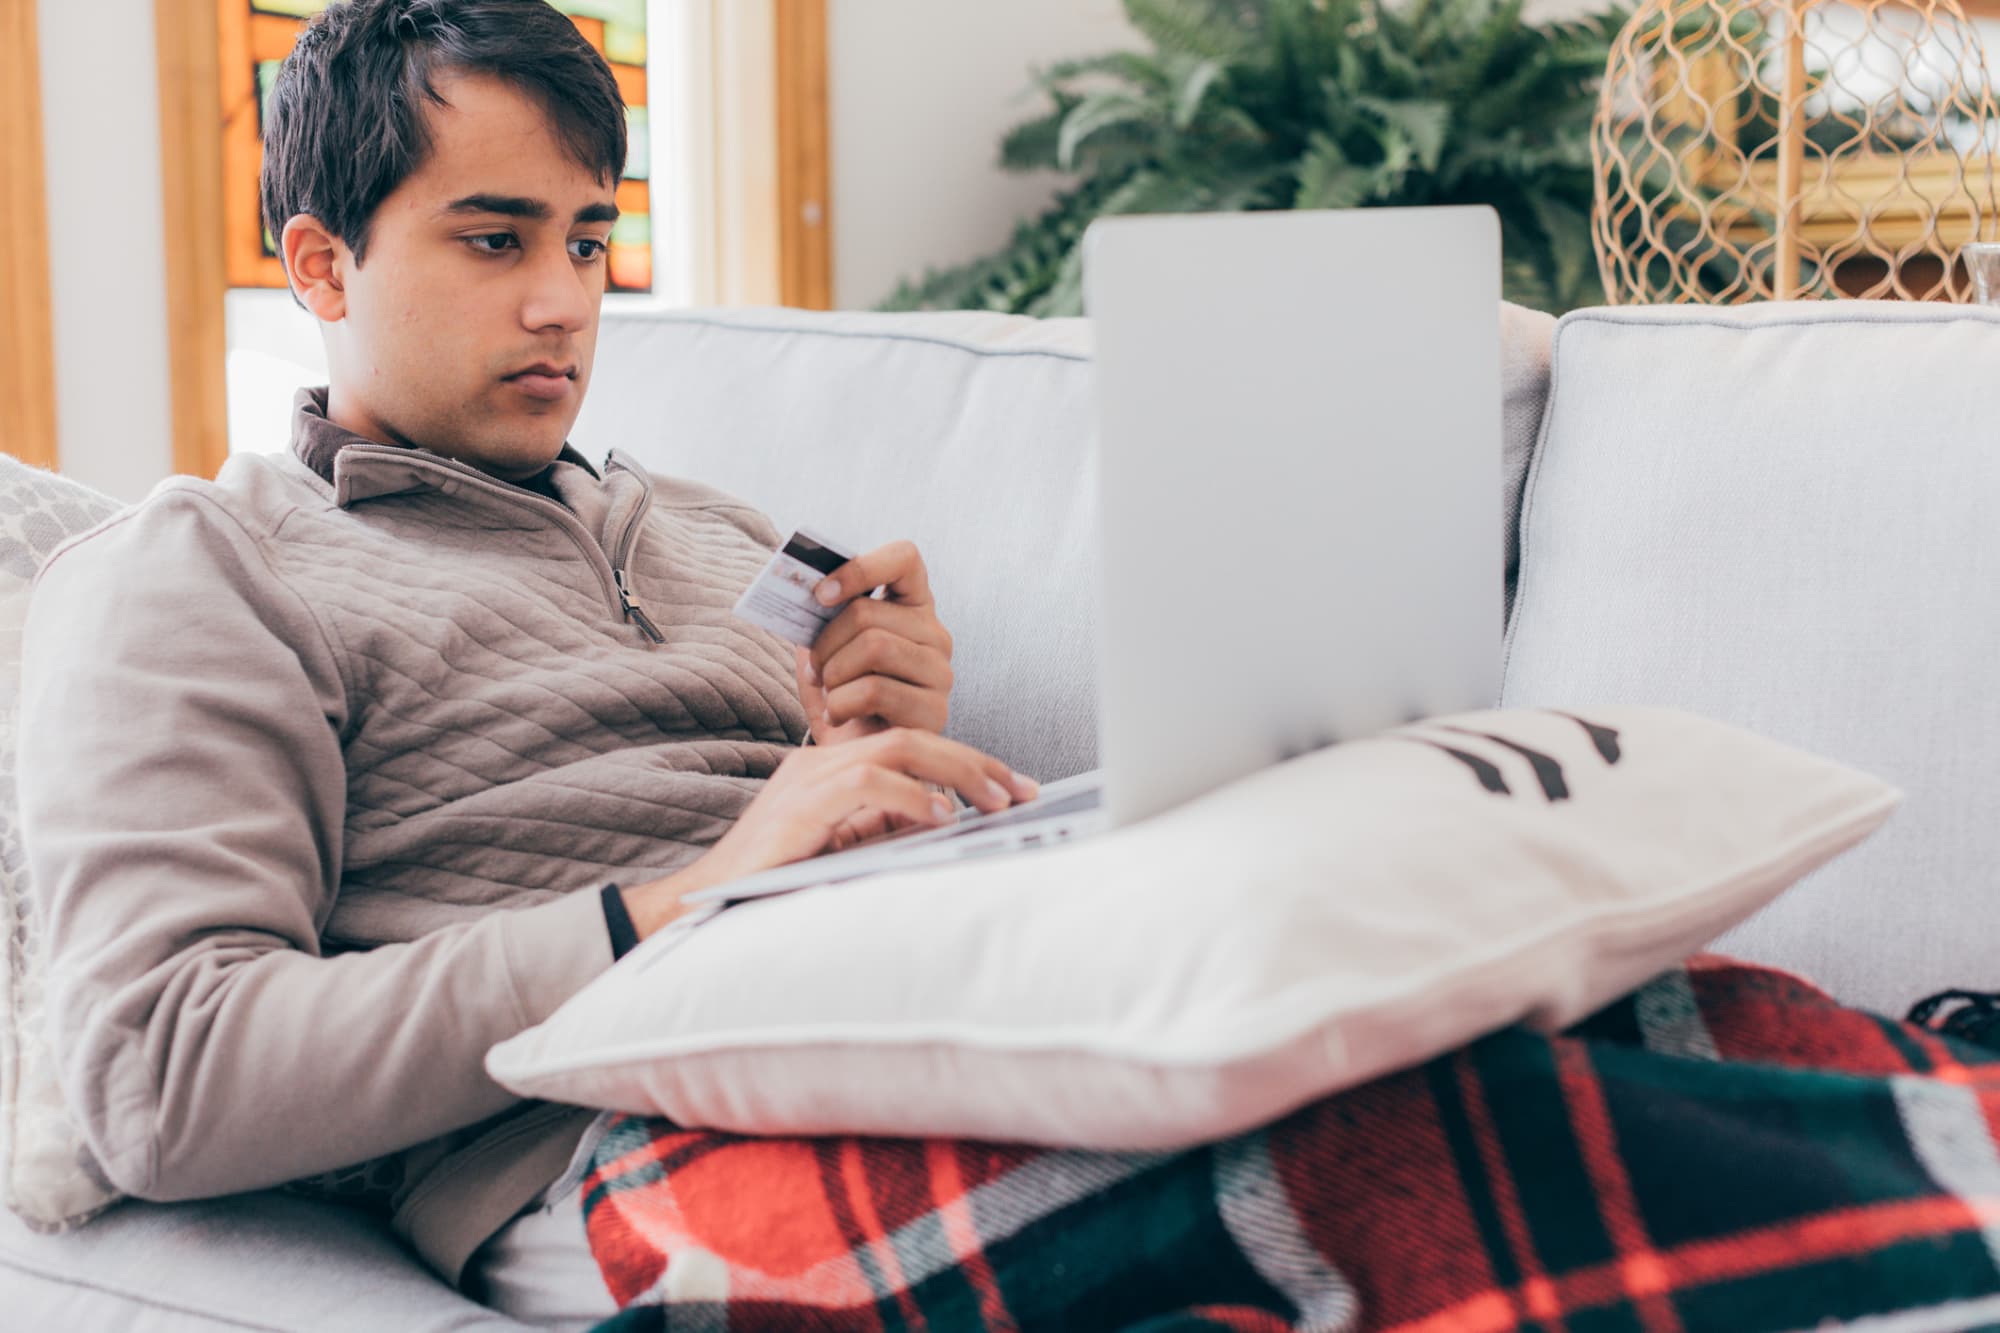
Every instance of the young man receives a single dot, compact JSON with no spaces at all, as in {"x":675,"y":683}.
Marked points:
{"x":341,"y":769}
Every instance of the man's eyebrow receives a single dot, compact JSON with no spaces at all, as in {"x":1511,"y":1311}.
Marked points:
{"x":518,"y":206}
{"x":506,"y":205}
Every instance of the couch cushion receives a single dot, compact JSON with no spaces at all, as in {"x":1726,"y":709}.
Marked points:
{"x":45,"y":1170}
{"x":966,"y":432}
{"x":260,"y":1261}
{"x":1783,"y":517}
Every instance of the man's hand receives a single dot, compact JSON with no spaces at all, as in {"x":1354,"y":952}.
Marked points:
{"x":879,"y":663}
{"x":825,"y":800}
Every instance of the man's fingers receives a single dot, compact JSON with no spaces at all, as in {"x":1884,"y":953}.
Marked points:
{"x":812,"y":690}
{"x":881,"y":652}
{"x":896,"y":702}
{"x":859,"y":828}
{"x":980,"y":778}
{"x":917,"y":624}
{"x":898,"y":566}
{"x":866,"y":794}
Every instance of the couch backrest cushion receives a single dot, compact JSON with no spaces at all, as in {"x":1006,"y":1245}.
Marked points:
{"x":1784,"y":517}
{"x":968,"y":433}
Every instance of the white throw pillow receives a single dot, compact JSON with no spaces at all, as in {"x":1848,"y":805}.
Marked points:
{"x":47,"y":1175}
{"x":1321,"y":923}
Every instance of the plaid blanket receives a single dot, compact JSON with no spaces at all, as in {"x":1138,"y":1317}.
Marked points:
{"x":1725,"y":1149}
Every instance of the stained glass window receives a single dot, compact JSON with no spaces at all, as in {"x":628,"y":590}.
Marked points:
{"x":257,"y":35}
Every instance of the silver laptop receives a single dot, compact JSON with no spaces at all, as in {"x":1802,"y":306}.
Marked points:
{"x":1299,"y":447}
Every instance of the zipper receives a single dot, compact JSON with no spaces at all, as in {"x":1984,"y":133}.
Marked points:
{"x":633,"y":611}
{"x":622,"y":555}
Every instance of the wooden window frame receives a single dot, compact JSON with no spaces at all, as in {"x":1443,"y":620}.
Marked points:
{"x":27,"y":312}
{"x":249,"y":38}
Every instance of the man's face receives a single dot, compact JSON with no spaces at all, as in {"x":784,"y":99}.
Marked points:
{"x":470,"y":327}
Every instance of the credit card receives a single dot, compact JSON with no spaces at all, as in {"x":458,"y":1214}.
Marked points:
{"x":780,"y":598}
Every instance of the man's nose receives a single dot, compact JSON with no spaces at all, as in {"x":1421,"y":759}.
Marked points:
{"x":559,"y":294}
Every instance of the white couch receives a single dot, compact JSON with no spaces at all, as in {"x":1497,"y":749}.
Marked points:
{"x":1782,"y":518}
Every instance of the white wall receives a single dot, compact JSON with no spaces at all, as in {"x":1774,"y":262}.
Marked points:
{"x":919,"y":93}
{"x":107,"y":258}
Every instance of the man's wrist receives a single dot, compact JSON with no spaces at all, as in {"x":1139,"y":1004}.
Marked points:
{"x":651,"y":907}
{"x":654,"y":906}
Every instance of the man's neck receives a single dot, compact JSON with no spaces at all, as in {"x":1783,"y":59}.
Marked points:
{"x":317,"y":438}
{"x":347,"y":412}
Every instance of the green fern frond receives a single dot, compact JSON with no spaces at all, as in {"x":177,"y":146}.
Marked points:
{"x":1423,"y":124}
{"x":1099,"y":111}
{"x":1212,"y":28}
{"x":1031,"y":145}
{"x":1328,"y":180}
{"x":1191,"y":89}
{"x":1133,"y":67}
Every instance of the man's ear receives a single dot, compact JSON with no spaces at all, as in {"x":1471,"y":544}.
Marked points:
{"x":313,"y":257}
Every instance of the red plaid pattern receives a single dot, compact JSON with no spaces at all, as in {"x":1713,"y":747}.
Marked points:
{"x":1726,"y":1149}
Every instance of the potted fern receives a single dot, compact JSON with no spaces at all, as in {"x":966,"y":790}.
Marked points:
{"x":1267,"y":104}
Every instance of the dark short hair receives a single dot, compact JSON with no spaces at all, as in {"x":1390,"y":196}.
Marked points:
{"x":348,"y":122}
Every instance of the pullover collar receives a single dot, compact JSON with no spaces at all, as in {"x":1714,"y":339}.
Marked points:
{"x":317,"y":443}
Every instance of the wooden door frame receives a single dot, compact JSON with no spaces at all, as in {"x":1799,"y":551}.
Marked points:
{"x":27,"y":310}
{"x":804,"y":198}
{"x":187,"y":36}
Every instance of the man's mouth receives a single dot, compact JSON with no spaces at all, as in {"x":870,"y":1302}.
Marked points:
{"x":544,"y":380}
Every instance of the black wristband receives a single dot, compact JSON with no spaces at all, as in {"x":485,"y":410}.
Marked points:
{"x":624,"y":935}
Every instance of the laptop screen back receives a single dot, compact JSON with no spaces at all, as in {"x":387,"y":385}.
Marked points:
{"x":1299,"y":434}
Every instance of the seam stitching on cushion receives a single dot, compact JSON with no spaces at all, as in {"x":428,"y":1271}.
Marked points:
{"x":148,"y":1302}
{"x":968,"y":348}
{"x":1811,"y":319}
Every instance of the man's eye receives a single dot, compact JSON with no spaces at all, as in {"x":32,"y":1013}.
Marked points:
{"x":492,"y":243}
{"x":588,"y":250}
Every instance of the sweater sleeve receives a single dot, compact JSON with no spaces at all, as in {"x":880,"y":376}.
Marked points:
{"x":182,"y":800}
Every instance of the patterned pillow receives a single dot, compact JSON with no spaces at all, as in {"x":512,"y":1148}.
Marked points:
{"x":47,"y":1175}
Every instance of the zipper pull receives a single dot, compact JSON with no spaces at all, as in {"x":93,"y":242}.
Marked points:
{"x":633,"y":611}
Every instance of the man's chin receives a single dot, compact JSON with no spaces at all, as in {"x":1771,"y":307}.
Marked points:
{"x":511,"y":457}
{"x":514,"y":464}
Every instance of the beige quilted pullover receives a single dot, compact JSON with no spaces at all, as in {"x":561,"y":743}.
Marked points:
{"x":322,"y":767}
